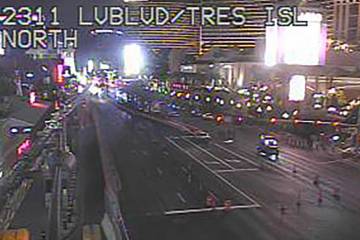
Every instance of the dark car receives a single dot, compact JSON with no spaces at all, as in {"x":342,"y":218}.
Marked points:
{"x":268,"y":147}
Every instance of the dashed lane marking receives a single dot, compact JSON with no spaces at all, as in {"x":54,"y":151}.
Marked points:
{"x":212,"y":162}
{"x":232,"y":160}
{"x":224,"y":180}
{"x":209,"y":153}
{"x":202,"y":210}
{"x":237,"y":155}
{"x":238,"y":170}
{"x":182,"y":199}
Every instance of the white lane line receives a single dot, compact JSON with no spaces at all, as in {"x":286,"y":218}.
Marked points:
{"x":209,"y":153}
{"x":232,"y":160}
{"x":173,"y":137}
{"x":201,"y":210}
{"x":238,"y":170}
{"x":215,"y":173}
{"x":184,"y":170}
{"x":347,"y":161}
{"x":212,"y":162}
{"x":329,"y":162}
{"x":335,"y":161}
{"x":160,"y":172}
{"x":182,"y":199}
{"x":237,"y":155}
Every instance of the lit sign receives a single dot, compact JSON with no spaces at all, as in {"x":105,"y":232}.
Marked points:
{"x":24,"y":148}
{"x":2,"y":50}
{"x":133,"y":59}
{"x":297,"y":88}
{"x":32,"y":98}
{"x":180,"y":86}
{"x":59,"y":78}
{"x":188,"y":69}
{"x":299,"y":45}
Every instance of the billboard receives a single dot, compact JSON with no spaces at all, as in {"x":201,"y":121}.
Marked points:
{"x":297,"y":45}
{"x":297,"y":87}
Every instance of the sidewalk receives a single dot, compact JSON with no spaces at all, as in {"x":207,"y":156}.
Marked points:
{"x":33,"y":214}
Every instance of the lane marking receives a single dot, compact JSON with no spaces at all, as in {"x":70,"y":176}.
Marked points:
{"x":212,"y":162}
{"x":215,"y":173}
{"x":160,"y":172}
{"x":173,"y":137}
{"x":335,"y":161}
{"x":182,"y":199}
{"x":238,"y":170}
{"x":209,"y":153}
{"x":237,"y":155}
{"x":347,"y":161}
{"x":301,"y":179}
{"x":232,"y":160}
{"x":202,"y":210}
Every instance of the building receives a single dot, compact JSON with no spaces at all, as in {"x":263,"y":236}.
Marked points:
{"x":233,"y":36}
{"x":346,"y":23}
{"x":181,"y":35}
{"x":199,"y":38}
{"x":342,"y":19}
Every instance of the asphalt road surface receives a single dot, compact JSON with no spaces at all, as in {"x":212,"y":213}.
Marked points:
{"x":167,"y":176}
{"x":90,"y":185}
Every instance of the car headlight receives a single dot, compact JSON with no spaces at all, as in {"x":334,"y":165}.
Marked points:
{"x":273,"y":157}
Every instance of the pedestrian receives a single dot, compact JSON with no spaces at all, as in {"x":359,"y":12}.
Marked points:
{"x":336,"y":193}
{"x":320,"y":198}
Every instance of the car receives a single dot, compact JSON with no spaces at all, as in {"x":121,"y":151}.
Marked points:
{"x":196,"y":113}
{"x":201,"y":136}
{"x":349,"y":152}
{"x":208,"y":116}
{"x":173,"y":114}
{"x":268,"y":147}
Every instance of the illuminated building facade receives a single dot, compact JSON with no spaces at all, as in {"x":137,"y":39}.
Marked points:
{"x":347,"y":20}
{"x":342,"y":19}
{"x":197,"y":39}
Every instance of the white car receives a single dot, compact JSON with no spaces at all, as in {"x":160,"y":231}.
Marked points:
{"x":173,"y":114}
{"x":208,"y":116}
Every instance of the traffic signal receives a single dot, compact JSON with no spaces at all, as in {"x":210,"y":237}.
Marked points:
{"x":219,"y":119}
{"x":335,"y":124}
{"x":296,"y":122}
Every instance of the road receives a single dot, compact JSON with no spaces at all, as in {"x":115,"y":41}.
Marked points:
{"x":32,"y":214}
{"x":90,"y":184}
{"x":167,"y":176}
